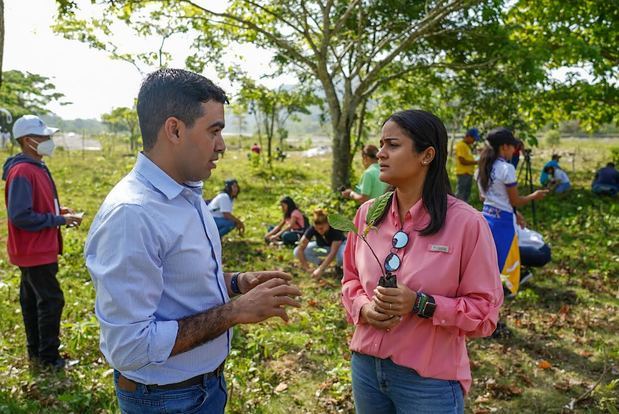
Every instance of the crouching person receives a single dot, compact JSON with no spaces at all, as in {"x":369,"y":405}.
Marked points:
{"x":320,"y":244}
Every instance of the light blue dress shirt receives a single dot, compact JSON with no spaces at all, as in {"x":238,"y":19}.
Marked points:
{"x":154,"y":255}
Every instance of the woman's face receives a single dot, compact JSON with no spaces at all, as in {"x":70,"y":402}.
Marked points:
{"x":399,"y":163}
{"x":322,"y":228}
{"x":284,"y":207}
{"x":508,"y":151}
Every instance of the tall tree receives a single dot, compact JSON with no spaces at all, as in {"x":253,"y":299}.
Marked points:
{"x":349,"y":47}
{"x":1,"y":38}
{"x":123,"y":119}
{"x":273,"y":107}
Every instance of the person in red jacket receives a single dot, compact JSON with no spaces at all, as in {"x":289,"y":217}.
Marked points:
{"x":34,"y":242}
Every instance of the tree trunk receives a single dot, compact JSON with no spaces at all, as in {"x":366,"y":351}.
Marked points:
{"x":1,"y":37}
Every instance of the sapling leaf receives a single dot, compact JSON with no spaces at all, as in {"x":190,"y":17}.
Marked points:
{"x":377,"y":208}
{"x":339,"y":222}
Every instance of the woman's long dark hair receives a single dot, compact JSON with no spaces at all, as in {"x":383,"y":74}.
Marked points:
{"x":489,"y":155}
{"x":290,"y":204}
{"x":427,"y":130}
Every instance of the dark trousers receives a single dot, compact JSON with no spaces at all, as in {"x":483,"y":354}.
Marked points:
{"x":41,"y":302}
{"x":535,"y":257}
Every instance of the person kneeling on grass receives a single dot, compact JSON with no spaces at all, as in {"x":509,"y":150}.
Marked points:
{"x":329,"y":244}
{"x":559,"y":181}
{"x":221,"y":209}
{"x":292,"y":227}
{"x":534,"y":252}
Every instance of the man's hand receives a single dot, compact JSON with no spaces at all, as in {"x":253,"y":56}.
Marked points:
{"x":266,"y":300}
{"x":249,"y":280}
{"x":66,"y":210}
{"x":346,"y":193}
{"x":394,"y":301}
{"x":72,"y":220}
{"x":520,"y":220}
{"x":379,"y":320}
{"x":240,"y":227}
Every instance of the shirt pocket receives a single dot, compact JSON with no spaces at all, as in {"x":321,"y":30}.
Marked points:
{"x":438,"y":270}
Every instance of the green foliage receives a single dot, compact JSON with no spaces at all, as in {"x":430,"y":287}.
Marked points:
{"x":339,"y":222}
{"x":124,"y":119}
{"x":552,"y":138}
{"x":377,"y":209}
{"x":27,"y":93}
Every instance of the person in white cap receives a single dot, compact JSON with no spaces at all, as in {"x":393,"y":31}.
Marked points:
{"x":35,"y":241}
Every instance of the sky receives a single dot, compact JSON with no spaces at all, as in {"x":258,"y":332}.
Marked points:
{"x":89,"y":79}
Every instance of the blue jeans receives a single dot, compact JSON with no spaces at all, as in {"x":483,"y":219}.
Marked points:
{"x":224,"y":226}
{"x":314,"y":253}
{"x":209,"y":397}
{"x":381,"y":386}
{"x":562,"y":187}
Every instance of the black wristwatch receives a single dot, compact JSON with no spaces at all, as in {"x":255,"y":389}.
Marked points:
{"x":234,"y":283}
{"x":424,"y":306}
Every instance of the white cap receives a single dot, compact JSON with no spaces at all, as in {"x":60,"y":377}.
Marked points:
{"x":31,"y":125}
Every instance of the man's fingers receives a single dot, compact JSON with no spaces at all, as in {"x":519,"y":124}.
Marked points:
{"x":286,"y":301}
{"x":273,"y":274}
{"x":285,"y":290}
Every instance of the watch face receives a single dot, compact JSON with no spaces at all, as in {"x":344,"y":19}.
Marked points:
{"x":428,"y":309}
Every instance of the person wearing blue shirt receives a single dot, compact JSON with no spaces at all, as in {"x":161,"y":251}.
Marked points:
{"x":154,"y":255}
{"x":606,"y":181}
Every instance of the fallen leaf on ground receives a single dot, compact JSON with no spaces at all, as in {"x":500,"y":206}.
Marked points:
{"x":281,"y":387}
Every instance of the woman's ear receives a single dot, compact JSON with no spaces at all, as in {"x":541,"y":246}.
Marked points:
{"x":428,"y":155}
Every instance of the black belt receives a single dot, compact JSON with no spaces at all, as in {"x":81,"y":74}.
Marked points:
{"x":126,"y":384}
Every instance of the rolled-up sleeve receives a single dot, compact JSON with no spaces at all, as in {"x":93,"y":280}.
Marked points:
{"x":475,"y":308}
{"x":123,"y":256}
{"x":353,"y":294}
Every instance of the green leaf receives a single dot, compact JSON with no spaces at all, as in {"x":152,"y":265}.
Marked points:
{"x":377,"y":208}
{"x":339,"y":222}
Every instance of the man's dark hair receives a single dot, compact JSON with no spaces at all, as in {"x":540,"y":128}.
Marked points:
{"x":173,"y":92}
{"x":610,"y":165}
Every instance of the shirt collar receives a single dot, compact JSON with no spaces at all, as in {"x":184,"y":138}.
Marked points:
{"x":158,"y":178}
{"x":418,"y":214}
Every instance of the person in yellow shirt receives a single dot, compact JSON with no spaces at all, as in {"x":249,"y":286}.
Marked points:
{"x":465,"y":164}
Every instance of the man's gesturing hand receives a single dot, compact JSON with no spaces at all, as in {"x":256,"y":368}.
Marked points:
{"x":266,"y":300}
{"x":249,"y":280}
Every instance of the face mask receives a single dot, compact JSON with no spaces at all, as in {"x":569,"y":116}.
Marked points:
{"x":45,"y":147}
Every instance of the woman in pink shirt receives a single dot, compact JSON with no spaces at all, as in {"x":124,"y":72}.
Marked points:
{"x":291,"y":228}
{"x":409,"y":345}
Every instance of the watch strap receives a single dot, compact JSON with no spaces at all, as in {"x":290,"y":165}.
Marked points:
{"x":234,"y":283}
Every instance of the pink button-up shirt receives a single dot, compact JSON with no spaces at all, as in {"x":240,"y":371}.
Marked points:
{"x":458,"y":266}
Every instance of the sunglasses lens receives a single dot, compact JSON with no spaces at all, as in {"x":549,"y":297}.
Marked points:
{"x":400,"y":239}
{"x":392,"y":262}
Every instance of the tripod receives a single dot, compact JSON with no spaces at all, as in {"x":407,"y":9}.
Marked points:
{"x":528,"y":179}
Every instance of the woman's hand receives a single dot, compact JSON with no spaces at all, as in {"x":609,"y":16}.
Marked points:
{"x":378,"y":320}
{"x":539,"y":194}
{"x":394,"y":301}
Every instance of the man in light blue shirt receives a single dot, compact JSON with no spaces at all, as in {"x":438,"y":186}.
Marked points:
{"x":154,"y":254}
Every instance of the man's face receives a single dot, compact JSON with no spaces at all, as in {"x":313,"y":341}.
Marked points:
{"x":202,"y":143}
{"x":469,"y":139}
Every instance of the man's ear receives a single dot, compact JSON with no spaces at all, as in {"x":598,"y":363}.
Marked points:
{"x":171,"y":130}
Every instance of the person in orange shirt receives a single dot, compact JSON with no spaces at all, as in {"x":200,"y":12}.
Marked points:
{"x":409,"y":344}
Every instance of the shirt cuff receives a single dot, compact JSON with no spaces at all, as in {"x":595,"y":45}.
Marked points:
{"x":357,"y":304}
{"x":163,"y":338}
{"x":445,"y":311}
{"x":59,"y":220}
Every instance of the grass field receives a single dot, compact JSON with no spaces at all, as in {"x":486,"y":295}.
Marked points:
{"x":565,"y":322}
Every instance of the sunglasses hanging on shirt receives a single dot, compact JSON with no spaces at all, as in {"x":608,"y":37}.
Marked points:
{"x":393,"y":261}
